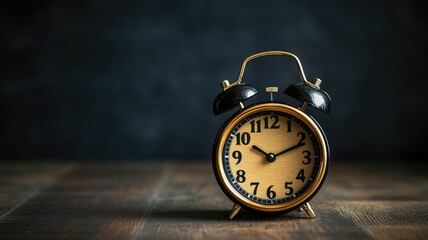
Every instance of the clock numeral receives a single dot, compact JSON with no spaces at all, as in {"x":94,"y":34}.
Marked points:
{"x":289,"y":188}
{"x":302,"y":137}
{"x":301,"y":175}
{"x":274,"y":124}
{"x":256,"y":184}
{"x":307,"y":157}
{"x":240,"y":176}
{"x":271,"y":194}
{"x":238,"y":156}
{"x":245,"y":138}
{"x":255,"y":126}
{"x":289,"y":125}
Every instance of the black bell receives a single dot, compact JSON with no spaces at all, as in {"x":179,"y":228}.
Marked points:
{"x":231,"y":97}
{"x":311,"y":95}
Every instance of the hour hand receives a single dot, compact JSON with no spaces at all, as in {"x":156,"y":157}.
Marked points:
{"x":270,"y":157}
{"x":259,"y":150}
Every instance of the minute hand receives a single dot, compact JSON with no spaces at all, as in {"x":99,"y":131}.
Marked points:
{"x":291,"y":148}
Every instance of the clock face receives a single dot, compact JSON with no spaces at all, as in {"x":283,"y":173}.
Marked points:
{"x":272,"y":156}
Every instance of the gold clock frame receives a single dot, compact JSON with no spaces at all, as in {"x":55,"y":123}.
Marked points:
{"x":300,"y":201}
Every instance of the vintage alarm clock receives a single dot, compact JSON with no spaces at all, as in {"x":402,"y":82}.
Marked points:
{"x":271,"y":157}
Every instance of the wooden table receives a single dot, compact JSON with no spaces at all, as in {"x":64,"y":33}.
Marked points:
{"x":181,"y":200}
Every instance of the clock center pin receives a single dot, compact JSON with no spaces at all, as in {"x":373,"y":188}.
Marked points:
{"x":271,"y":157}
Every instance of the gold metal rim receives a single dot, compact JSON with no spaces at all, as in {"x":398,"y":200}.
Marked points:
{"x":283,"y":206}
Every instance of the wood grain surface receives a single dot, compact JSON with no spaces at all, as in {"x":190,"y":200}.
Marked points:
{"x":181,"y":200}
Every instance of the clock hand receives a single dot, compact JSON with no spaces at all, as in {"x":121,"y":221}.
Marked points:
{"x":259,"y":150}
{"x":291,"y":148}
{"x":270,"y":157}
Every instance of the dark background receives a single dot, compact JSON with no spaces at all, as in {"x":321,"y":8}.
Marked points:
{"x":97,"y":80}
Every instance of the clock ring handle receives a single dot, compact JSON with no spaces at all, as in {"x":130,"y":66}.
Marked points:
{"x":271,"y":53}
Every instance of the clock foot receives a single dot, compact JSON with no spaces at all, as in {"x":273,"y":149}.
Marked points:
{"x":308,"y":210}
{"x":236,"y":208}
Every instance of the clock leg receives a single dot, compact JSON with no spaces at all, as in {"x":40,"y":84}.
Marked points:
{"x":308,"y":210}
{"x":236,"y":208}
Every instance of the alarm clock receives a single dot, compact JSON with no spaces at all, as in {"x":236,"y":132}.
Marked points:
{"x":270,"y":157}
